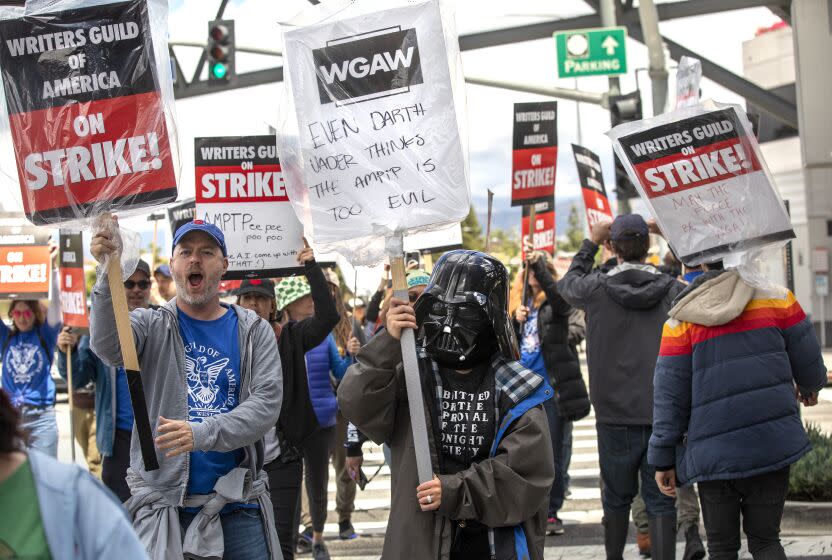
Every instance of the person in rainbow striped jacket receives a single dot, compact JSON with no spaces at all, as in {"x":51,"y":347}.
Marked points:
{"x":735,"y":362}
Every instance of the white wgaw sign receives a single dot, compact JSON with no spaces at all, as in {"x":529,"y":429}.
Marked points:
{"x":373,"y":147}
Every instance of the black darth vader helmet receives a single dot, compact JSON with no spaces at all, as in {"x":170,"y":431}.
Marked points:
{"x":463,"y":312}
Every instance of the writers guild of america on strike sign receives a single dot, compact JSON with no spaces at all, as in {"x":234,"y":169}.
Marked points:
{"x":706,"y":184}
{"x":86,"y":112}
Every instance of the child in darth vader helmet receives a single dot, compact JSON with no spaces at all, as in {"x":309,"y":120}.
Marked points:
{"x":488,"y":433}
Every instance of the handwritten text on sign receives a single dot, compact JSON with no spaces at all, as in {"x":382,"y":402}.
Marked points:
{"x":705,"y":183}
{"x":240,"y":189}
{"x":379,"y":143}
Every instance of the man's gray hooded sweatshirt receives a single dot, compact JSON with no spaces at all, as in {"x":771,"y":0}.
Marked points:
{"x":625,"y":311}
{"x":156,"y":495}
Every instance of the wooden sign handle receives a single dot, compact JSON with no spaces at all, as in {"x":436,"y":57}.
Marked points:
{"x":532,"y":220}
{"x":413,"y":381}
{"x":69,"y":390}
{"x":131,"y":363}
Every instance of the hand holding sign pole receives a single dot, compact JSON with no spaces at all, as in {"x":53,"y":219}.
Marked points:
{"x":371,"y":143}
{"x":90,"y":114}
{"x":129,"y":356}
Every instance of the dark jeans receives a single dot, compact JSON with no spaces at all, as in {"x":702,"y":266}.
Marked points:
{"x":242,"y":532}
{"x":114,"y":468}
{"x":284,"y":488}
{"x":622,"y":454}
{"x":760,"y":500}
{"x":469,"y":543}
{"x":567,"y":453}
{"x":556,"y":427}
{"x":316,"y":451}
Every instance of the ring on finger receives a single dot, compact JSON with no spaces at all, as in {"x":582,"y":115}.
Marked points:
{"x":430,"y":499}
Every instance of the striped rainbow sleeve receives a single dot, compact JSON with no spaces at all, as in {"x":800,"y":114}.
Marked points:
{"x":676,"y":339}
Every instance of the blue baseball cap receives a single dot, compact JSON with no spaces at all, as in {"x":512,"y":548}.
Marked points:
{"x":628,"y":226}
{"x":198,"y":225}
{"x":164,"y":270}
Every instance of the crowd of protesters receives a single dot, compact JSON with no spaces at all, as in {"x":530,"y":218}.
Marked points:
{"x":695,"y":378}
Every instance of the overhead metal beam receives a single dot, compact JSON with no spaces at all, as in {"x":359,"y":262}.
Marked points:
{"x":545,"y":29}
{"x":247,"y":79}
{"x":562,"y":93}
{"x":776,"y":106}
{"x":238,"y":48}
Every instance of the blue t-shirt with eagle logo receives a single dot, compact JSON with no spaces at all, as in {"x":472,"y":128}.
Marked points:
{"x":212,"y":367}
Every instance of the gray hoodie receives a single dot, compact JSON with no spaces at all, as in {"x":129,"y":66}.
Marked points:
{"x":161,"y":355}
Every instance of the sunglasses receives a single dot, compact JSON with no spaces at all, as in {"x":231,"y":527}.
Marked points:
{"x":17,"y":314}
{"x":413,"y":297}
{"x":142,"y":284}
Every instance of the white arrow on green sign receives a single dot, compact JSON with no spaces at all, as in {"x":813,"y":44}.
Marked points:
{"x":592,"y":52}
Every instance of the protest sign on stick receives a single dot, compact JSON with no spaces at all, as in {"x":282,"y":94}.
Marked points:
{"x":702,"y":175}
{"x":88,"y":104}
{"x":592,"y":185}
{"x":73,"y":303}
{"x":538,"y":227}
{"x":85,"y":111}
{"x":534,"y":152}
{"x":688,"y":78}
{"x":435,"y":241}
{"x":371,"y":142}
{"x":180,"y":214}
{"x":25,"y":271}
{"x":240,"y":189}
{"x":72,"y":281}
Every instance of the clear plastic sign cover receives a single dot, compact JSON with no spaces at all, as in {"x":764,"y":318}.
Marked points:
{"x":240,"y":189}
{"x":88,"y":104}
{"x":371,"y":140}
{"x":701,"y":173}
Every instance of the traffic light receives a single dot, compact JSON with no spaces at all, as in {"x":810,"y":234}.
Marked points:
{"x":220,"y":51}
{"x":624,"y":109}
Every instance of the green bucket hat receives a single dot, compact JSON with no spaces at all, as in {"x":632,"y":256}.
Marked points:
{"x":417,"y":277}
{"x":291,"y":289}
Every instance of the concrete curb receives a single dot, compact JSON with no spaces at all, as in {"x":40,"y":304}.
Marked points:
{"x":806,"y":518}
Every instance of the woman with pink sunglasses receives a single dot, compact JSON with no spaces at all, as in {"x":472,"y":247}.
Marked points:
{"x":28,"y":347}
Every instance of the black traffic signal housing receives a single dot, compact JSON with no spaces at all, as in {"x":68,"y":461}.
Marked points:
{"x":624,"y":109}
{"x":220,"y":51}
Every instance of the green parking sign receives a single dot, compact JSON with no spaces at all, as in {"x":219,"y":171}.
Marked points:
{"x":592,"y":52}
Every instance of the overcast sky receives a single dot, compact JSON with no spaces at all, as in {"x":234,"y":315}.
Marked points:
{"x":489,"y":110}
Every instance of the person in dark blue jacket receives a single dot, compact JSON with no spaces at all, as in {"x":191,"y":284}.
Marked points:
{"x":725,"y":415}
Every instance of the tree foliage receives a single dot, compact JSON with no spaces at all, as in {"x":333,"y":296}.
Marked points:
{"x":575,"y":232}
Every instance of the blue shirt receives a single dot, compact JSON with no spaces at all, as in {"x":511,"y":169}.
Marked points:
{"x":212,"y":364}
{"x":530,"y":354}
{"x":124,"y":407}
{"x":26,"y":365}
{"x":692,"y":275}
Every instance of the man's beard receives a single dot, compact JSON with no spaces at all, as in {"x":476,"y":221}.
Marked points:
{"x":212,"y":288}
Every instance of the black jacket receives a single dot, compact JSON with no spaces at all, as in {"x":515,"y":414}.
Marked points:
{"x":297,"y":417}
{"x":626,"y":308}
{"x":559,"y":355}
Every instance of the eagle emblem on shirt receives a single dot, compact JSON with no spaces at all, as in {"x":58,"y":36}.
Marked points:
{"x":24,"y":360}
{"x":202,"y":379}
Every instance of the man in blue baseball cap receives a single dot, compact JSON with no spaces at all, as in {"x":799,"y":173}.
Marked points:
{"x":213,"y":385}
{"x":626,"y":308}
{"x":164,"y":282}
